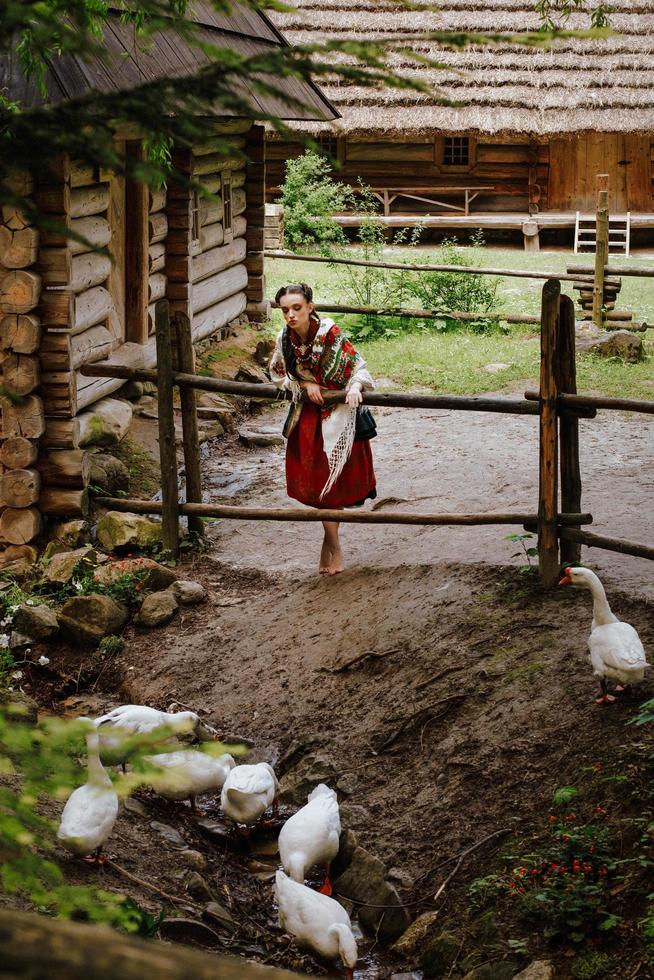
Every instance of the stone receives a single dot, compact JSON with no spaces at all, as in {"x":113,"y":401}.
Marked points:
{"x":105,"y":424}
{"x":156,"y":577}
{"x":219,"y":916}
{"x":496,"y":367}
{"x":440,"y":954}
{"x":211,"y":405}
{"x":135,"y":806}
{"x":18,"y":552}
{"x":39,"y":622}
{"x":538,"y":970}
{"x":251,"y":374}
{"x":316,"y":767}
{"x":347,"y":845}
{"x":18,"y":639}
{"x":169,"y":834}
{"x":109,"y":474}
{"x":197,"y":887}
{"x":365,"y":881}
{"x":87,"y":618}
{"x":347,"y":783}
{"x":157,"y":609}
{"x":400,"y":877}
{"x":263,"y":439}
{"x":210,"y":429}
{"x":71,"y":534}
{"x":148,"y":407}
{"x":180,"y":930}
{"x":617,"y":343}
{"x":19,"y":569}
{"x":118,"y":530}
{"x":131,"y":390}
{"x":218,"y":832}
{"x":188,"y":593}
{"x":263,"y":351}
{"x":498,"y":970}
{"x":193,"y":859}
{"x":61,"y":566}
{"x":19,"y":707}
{"x":413,"y":941}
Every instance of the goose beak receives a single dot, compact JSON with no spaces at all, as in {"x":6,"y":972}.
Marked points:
{"x":566,"y":580}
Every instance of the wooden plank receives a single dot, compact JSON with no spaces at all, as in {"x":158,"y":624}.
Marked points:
{"x":548,"y":551}
{"x":181,"y":331}
{"x":117,"y":280}
{"x":386,"y":151}
{"x":568,"y":426}
{"x":136,"y":253}
{"x":167,"y":449}
{"x":601,"y":246}
{"x":638,"y":172}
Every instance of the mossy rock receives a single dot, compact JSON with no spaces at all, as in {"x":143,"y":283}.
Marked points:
{"x":118,"y":530}
{"x":440,"y":954}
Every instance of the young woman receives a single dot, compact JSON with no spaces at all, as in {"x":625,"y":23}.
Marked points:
{"x":326,"y":466}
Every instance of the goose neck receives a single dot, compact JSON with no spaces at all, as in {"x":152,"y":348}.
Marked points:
{"x":602,"y":614}
{"x":97,"y":774}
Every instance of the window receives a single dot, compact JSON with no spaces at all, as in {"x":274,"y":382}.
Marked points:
{"x":456,"y":151}
{"x":328,"y":145}
{"x":226,"y":181}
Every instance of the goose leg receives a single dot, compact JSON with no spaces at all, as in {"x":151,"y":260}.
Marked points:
{"x":605,"y":697}
{"x":326,"y":887}
{"x":97,"y":858}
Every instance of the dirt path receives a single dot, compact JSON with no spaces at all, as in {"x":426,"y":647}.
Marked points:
{"x":451,"y":462}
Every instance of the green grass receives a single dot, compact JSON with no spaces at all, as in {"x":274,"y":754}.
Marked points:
{"x":455,"y":362}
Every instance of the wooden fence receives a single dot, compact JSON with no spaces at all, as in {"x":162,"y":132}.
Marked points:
{"x":557,"y":405}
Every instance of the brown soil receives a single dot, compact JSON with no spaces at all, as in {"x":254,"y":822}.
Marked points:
{"x":451,"y":692}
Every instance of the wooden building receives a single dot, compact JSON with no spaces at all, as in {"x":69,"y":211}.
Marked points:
{"x":522,"y":131}
{"x":63,"y":306}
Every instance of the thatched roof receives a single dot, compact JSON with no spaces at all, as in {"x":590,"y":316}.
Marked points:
{"x":576,"y":84}
{"x":166,"y":55}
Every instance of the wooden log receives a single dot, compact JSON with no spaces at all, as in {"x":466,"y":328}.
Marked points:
{"x":607,"y":544}
{"x":426,"y":314}
{"x":178,"y":268}
{"x":347,"y":516}
{"x":255,"y":263}
{"x":211,"y":236}
{"x":601,"y":245}
{"x":20,"y":525}
{"x":157,"y":227}
{"x":548,"y":546}
{"x":85,"y":201}
{"x":26,"y":419}
{"x":18,"y":248}
{"x":53,"y":198}
{"x":95,"y":229}
{"x":88,"y":270}
{"x":64,"y":351}
{"x":181,"y":332}
{"x":169,"y":485}
{"x":57,"y":309}
{"x":156,"y":257}
{"x":64,"y":468}
{"x":215,"y":317}
{"x":569,"y":425}
{"x":20,"y":333}
{"x":218,"y":287}
{"x":476,"y":271}
{"x":61,"y":433}
{"x":19,"y":181}
{"x":18,"y":453}
{"x":156,"y":287}
{"x":82,"y":174}
{"x":239,"y":227}
{"x":599,"y":401}
{"x":41,"y":946}
{"x":215,"y":163}
{"x":210,"y":212}
{"x":14,"y":218}
{"x":19,"y":488}
{"x":91,"y":307}
{"x":19,"y":291}
{"x":217,"y":259}
{"x":55,"y":265}
{"x":64,"y":502}
{"x":239,"y":201}
{"x":21,"y":372}
{"x":156,"y":199}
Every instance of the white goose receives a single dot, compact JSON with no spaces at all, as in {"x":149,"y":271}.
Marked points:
{"x":91,"y":810}
{"x":316,"y":921}
{"x":138,"y":719}
{"x":311,"y":836}
{"x":248,"y":791}
{"x":188,"y":773}
{"x":616,"y":651}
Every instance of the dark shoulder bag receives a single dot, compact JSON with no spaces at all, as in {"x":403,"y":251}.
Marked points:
{"x":366,"y":427}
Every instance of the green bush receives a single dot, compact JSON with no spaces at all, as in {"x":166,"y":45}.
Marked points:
{"x":310,"y":197}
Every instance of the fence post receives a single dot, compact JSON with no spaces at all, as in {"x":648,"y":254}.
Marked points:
{"x":601,"y":246}
{"x":569,"y":428}
{"x":167,"y":452}
{"x":548,"y":551}
{"x":181,"y":329}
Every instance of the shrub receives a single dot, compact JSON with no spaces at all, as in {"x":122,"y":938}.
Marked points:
{"x":112,"y":645}
{"x":310,"y":197}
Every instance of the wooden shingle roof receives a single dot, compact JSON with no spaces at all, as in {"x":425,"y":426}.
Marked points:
{"x":166,"y":55}
{"x":581,"y":83}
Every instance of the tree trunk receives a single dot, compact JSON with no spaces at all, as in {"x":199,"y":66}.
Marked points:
{"x":26,"y":420}
{"x":19,"y":527}
{"x":18,"y":453}
{"x":20,"y":333}
{"x":21,"y":372}
{"x":19,"y":291}
{"x":19,"y":488}
{"x":19,"y":248}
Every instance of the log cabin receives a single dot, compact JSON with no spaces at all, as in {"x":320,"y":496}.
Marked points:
{"x":64,"y":305}
{"x":510,"y":138}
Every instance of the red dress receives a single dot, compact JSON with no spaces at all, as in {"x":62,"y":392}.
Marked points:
{"x":333,"y":362}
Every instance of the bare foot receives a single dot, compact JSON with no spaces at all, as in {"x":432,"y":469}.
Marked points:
{"x":325,"y":558}
{"x":335,"y":566}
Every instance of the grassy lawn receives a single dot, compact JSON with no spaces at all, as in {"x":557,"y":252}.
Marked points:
{"x":455,"y":361}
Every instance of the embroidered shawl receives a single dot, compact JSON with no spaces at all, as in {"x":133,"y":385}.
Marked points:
{"x":333,"y":363}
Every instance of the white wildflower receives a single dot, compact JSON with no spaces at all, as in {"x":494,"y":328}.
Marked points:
{"x":4,"y":641}
{"x":44,"y":661}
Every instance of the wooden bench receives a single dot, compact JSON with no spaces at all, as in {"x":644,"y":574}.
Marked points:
{"x":386,"y":195}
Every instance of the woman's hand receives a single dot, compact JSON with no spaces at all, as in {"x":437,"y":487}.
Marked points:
{"x":314,"y":393}
{"x":354,"y":396}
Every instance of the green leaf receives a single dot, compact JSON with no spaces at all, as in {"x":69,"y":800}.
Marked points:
{"x":564,"y":795}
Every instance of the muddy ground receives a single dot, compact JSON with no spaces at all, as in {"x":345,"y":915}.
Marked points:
{"x":449,"y":696}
